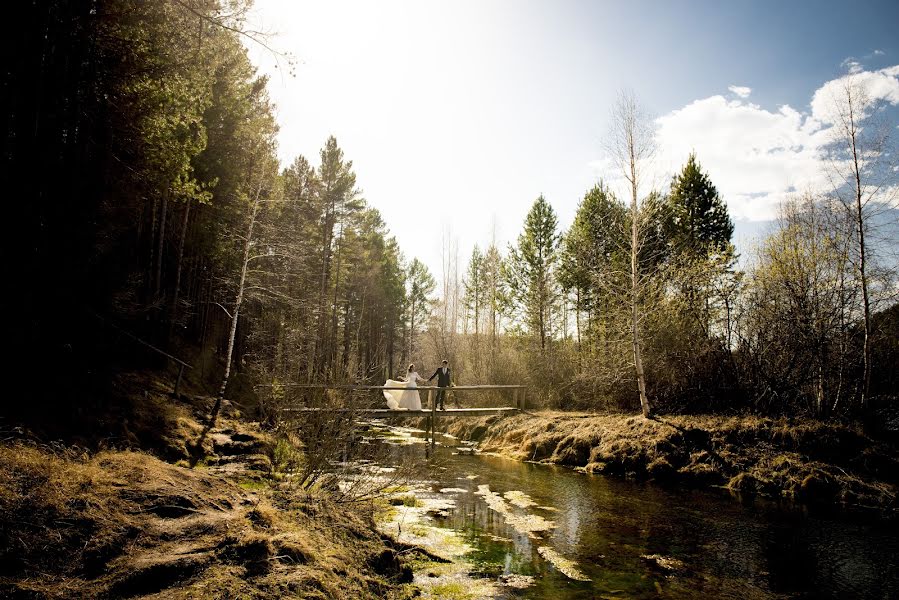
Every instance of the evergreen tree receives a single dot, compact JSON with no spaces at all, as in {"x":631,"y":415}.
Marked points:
{"x":475,"y":298}
{"x":698,"y":218}
{"x":592,"y":253}
{"x":531,"y":271}
{"x":698,"y":231}
{"x":420,"y":285}
{"x":596,"y":238}
{"x":495,"y":293}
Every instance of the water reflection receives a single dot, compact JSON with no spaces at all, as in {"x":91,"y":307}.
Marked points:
{"x":640,"y":540}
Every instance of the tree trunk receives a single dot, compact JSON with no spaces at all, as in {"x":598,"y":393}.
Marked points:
{"x":173,"y":310}
{"x":316,"y":361}
{"x":577,"y":325}
{"x":411,"y":330}
{"x":162,"y":218}
{"x":248,"y":241}
{"x":860,"y":230}
{"x":859,"y":222}
{"x":638,"y":359}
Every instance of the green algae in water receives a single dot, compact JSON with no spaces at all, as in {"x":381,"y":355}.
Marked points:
{"x":522,"y":523}
{"x":666,"y":562}
{"x":724,"y":547}
{"x":519,"y":499}
{"x":565,"y":566}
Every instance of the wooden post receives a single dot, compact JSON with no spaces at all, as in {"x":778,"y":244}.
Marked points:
{"x":178,"y":381}
{"x":515,"y":399}
{"x":524,"y":399}
{"x":430,"y":420}
{"x":433,"y":401}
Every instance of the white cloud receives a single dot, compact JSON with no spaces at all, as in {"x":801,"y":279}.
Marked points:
{"x":879,"y":53}
{"x":852,"y":65}
{"x":879,"y":86}
{"x":756,"y":157}
{"x":740,"y":90}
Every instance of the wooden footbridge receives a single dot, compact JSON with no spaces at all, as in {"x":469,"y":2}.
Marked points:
{"x":429,"y":411}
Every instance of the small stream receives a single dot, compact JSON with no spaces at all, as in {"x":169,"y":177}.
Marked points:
{"x":520,"y":530}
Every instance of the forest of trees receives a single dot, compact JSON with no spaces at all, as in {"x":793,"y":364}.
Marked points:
{"x":147,"y":197}
{"x":159,"y":209}
{"x":643,"y":299}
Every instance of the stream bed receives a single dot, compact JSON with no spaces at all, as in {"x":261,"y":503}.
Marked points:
{"x":521,"y":530}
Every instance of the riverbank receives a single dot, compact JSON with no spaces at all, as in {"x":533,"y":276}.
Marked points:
{"x":809,"y":462}
{"x":212,"y":520}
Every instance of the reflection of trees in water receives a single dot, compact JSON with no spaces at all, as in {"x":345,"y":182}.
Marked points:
{"x":728,"y":550}
{"x":831,"y":555}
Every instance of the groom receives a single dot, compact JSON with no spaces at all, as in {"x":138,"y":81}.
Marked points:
{"x":443,"y":380}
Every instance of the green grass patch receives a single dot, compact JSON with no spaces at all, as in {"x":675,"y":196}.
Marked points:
{"x":286,"y":457}
{"x":254,"y":485}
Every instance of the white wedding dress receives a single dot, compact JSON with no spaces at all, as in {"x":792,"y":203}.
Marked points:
{"x":406,"y":399}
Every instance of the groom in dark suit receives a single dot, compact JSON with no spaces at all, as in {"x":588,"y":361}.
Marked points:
{"x":443,"y":380}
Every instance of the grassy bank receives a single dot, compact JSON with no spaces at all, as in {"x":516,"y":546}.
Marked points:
{"x":125,"y":524}
{"x":805,"y":461}
{"x":179,"y":510}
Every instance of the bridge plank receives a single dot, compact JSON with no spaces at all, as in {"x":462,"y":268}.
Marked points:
{"x":453,"y":388}
{"x":388,"y":413}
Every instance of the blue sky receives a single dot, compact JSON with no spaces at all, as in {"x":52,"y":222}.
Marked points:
{"x":457,"y":115}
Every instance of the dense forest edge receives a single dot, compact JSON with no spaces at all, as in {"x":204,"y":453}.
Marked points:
{"x":153,"y":226}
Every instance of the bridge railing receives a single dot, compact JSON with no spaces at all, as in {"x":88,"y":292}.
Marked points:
{"x":327,"y":406}
{"x":518,"y":393}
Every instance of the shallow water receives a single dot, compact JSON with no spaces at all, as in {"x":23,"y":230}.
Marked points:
{"x":640,"y":540}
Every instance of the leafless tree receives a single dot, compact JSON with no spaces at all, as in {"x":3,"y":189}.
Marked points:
{"x":631,"y":146}
{"x":862,"y":172}
{"x":259,"y":192}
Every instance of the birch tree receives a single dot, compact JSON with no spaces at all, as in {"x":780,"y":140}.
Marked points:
{"x":632,"y":146}
{"x":261,"y":188}
{"x":862,"y":171}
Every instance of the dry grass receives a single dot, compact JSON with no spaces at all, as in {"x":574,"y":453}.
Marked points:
{"x":125,"y":524}
{"x":108,"y":521}
{"x":799,"y":460}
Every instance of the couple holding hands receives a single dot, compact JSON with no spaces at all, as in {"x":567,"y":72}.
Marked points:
{"x":408,"y":398}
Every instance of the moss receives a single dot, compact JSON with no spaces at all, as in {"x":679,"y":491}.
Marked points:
{"x":661,"y":470}
{"x":450,"y":591}
{"x":254,"y":485}
{"x":404,"y":500}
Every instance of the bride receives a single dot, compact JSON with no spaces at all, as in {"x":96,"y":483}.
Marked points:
{"x":406,"y":399}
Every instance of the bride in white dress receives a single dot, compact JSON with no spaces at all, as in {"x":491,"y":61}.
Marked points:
{"x":406,"y":399}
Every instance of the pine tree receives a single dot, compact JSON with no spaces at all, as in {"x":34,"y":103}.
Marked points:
{"x":494,"y":291}
{"x":698,"y":218}
{"x":699,"y":231}
{"x":420,"y":285}
{"x":531,"y":270}
{"x":475,"y":297}
{"x":591,"y":248}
